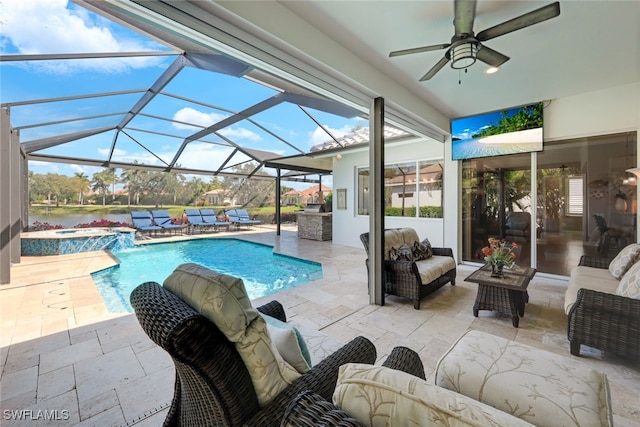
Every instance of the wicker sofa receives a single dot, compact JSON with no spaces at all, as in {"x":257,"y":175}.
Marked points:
{"x":598,"y":316}
{"x":213,"y":386}
{"x":413,"y":279}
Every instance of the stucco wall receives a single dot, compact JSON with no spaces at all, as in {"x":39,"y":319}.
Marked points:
{"x":595,"y":113}
{"x":347,"y":225}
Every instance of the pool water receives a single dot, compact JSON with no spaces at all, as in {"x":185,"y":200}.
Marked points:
{"x":262,"y":271}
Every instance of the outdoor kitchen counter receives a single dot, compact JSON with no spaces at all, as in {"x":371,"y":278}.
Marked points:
{"x":315,"y":225}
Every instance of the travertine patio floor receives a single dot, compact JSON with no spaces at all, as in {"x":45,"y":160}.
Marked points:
{"x":62,"y":352}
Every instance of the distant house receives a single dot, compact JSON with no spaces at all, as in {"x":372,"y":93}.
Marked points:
{"x":219,"y":197}
{"x":310,"y":195}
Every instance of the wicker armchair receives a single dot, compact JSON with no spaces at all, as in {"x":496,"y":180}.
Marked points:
{"x":309,"y":409}
{"x":605,"y":321}
{"x":402,"y":278}
{"x":213,"y":386}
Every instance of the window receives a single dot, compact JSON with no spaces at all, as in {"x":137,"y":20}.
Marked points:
{"x":574,"y":196}
{"x":411,"y":189}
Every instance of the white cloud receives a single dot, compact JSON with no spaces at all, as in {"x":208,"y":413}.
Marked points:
{"x":48,"y":26}
{"x":318,"y":136}
{"x":236,"y":134}
{"x":116,"y":152}
{"x":203,"y":156}
{"x":191,"y":115}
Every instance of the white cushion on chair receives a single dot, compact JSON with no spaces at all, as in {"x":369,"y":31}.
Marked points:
{"x":540,"y":387}
{"x":379,"y":396}
{"x":223,"y":300}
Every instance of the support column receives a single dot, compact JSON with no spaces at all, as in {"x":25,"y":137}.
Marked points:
{"x":15,"y":203}
{"x":278,"y":196}
{"x":5,"y":197}
{"x":376,"y":194}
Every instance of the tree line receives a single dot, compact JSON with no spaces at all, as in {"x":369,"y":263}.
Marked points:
{"x":147,"y":188}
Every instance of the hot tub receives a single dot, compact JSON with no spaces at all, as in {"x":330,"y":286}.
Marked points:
{"x":74,"y":240}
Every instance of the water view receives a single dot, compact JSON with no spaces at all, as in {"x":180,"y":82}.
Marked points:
{"x":71,"y":220}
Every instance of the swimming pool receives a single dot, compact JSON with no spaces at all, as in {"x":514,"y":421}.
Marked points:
{"x":262,"y":271}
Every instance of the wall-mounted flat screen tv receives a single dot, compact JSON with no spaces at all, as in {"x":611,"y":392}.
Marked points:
{"x":512,"y":131}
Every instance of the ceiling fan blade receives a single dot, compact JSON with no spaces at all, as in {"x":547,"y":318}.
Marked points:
{"x":464,"y":14}
{"x":432,"y":72}
{"x":419,"y":49}
{"x":534,"y":17}
{"x":491,"y":57}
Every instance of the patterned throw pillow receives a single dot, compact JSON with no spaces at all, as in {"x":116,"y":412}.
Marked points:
{"x":223,"y":299}
{"x":630,"y":283}
{"x":380,"y":396}
{"x":624,"y":260}
{"x":403,"y":253}
{"x":422,"y":250}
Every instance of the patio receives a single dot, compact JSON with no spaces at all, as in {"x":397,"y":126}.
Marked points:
{"x":62,"y":352}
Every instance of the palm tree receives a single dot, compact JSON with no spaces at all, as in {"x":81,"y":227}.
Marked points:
{"x":101,"y":182}
{"x":81,"y":183}
{"x":133,"y":182}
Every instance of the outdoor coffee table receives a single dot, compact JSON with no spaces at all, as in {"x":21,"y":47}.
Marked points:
{"x":506,"y":295}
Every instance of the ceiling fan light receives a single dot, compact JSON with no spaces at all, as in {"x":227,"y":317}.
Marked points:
{"x":463,"y":55}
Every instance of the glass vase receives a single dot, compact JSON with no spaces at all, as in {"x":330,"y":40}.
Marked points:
{"x":497,"y":270}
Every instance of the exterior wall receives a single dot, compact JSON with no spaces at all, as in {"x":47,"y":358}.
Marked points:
{"x":347,"y":225}
{"x":603,"y":112}
{"x":596,"y":113}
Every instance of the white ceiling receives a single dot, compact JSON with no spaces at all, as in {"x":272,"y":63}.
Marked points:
{"x":591,"y":46}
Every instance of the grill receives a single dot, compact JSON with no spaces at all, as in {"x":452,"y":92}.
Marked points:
{"x":314,"y":207}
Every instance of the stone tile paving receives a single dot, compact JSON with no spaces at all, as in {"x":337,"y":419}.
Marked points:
{"x":61,"y":351}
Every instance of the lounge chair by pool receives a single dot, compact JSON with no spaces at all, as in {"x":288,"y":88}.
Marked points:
{"x":209,"y":217}
{"x":194,"y":219}
{"x":163,"y":219}
{"x":240,"y":217}
{"x":143,"y":222}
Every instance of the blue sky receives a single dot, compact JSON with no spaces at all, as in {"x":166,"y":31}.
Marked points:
{"x":464,"y":127}
{"x":58,"y":26}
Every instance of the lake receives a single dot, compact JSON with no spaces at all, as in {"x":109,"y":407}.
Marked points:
{"x":71,"y":220}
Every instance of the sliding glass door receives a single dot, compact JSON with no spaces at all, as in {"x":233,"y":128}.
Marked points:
{"x":585,"y":202}
{"x":496,"y":203}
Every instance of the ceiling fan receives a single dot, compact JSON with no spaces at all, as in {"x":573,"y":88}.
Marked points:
{"x":465,"y":47}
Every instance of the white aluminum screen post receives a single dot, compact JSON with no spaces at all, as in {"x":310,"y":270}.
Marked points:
{"x":376,"y":215}
{"x":15,"y":214}
{"x":5,"y":197}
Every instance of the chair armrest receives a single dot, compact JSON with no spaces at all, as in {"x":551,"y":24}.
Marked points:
{"x":320,"y":379}
{"x":443,"y":251}
{"x":602,"y":302}
{"x":311,"y":409}
{"x":596,"y":262}
{"x":273,"y":309}
{"x":401,"y":266}
{"x":406,"y":360}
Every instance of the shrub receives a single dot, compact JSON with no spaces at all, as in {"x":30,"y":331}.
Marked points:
{"x":104,"y":223}
{"x":41,"y":226}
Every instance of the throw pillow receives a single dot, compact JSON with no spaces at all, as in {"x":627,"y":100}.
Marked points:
{"x":624,"y":260}
{"x":630,"y":283}
{"x":289,"y":343}
{"x":223,"y":300}
{"x":381,"y":396}
{"x":422,"y":250}
{"x":403,"y":253}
